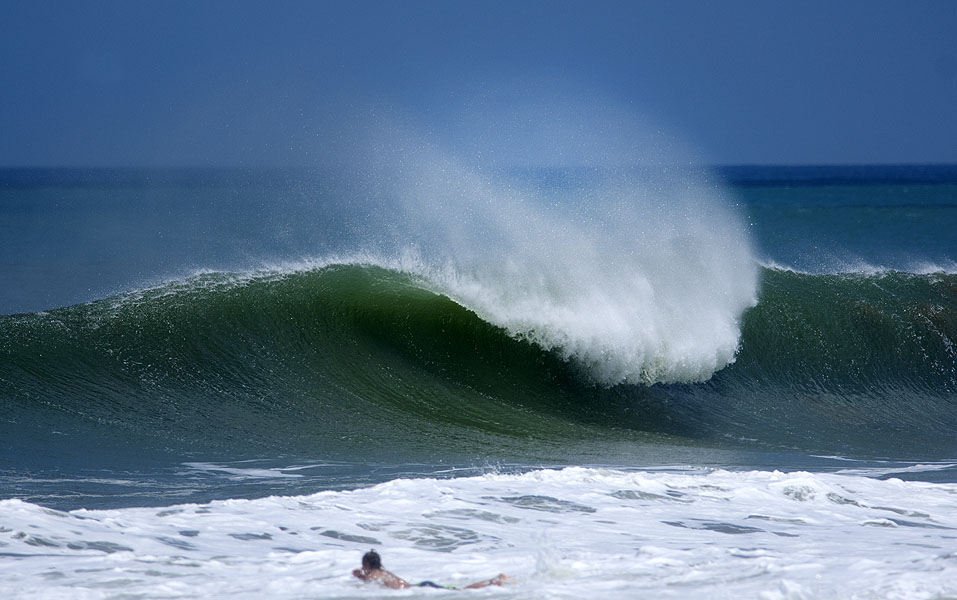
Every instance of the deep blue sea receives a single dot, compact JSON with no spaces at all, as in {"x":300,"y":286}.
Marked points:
{"x":753,"y":352}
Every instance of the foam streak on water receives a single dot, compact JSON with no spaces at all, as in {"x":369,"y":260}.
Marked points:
{"x":572,"y":533}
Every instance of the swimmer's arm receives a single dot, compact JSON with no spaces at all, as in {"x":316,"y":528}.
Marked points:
{"x":386,"y":578}
{"x":499,"y":579}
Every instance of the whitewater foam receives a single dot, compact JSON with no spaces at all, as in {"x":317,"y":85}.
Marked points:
{"x":577,"y":532}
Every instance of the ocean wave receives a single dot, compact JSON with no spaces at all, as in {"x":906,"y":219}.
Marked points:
{"x":335,"y":356}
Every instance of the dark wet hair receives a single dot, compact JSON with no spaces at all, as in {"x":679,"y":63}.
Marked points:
{"x":371,"y":560}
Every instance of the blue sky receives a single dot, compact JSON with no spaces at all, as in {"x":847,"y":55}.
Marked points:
{"x":131,"y":83}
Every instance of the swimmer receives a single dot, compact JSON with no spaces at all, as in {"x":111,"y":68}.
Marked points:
{"x":372,"y":571}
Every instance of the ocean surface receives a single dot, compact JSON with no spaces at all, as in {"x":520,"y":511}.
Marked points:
{"x":647,"y":383}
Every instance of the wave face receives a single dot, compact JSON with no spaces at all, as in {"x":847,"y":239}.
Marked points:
{"x":348,"y":359}
{"x":858,"y":333}
{"x":858,"y":361}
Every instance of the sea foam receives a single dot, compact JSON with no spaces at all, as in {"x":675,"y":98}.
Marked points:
{"x":571,"y":533}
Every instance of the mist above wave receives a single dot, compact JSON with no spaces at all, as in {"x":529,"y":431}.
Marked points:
{"x":604,"y":246}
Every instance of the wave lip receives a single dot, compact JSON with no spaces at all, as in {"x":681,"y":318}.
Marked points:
{"x":861,"y":267}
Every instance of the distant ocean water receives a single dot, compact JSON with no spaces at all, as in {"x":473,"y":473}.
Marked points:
{"x":611,"y":384}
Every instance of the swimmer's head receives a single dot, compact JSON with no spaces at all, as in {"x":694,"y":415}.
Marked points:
{"x":371,"y":560}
